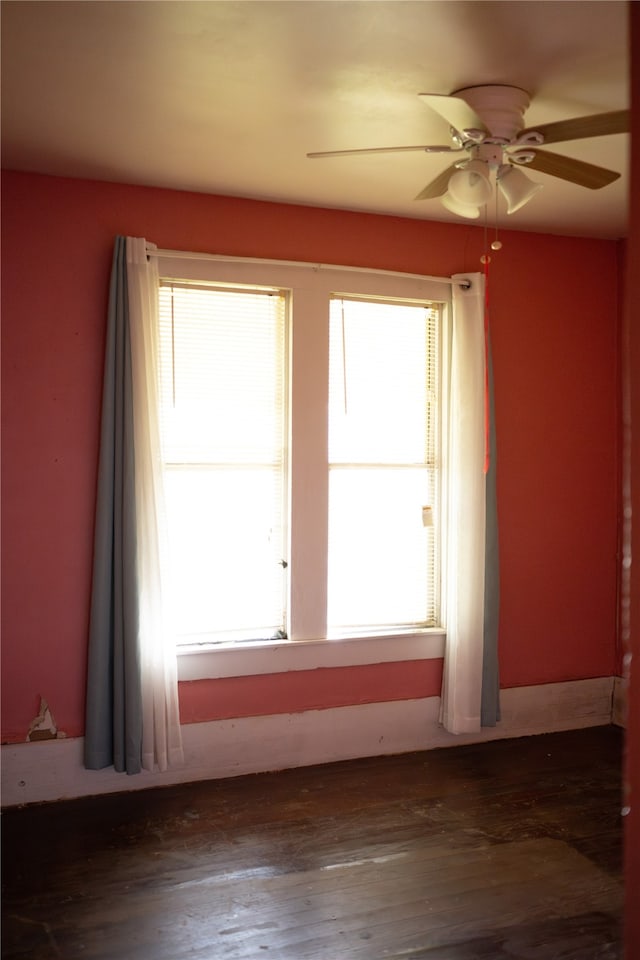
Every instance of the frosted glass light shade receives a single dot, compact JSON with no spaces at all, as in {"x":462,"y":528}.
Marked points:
{"x":467,"y":210}
{"x":471,"y":185}
{"x":516,"y":187}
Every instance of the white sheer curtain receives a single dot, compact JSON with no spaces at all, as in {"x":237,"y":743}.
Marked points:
{"x":161,"y":737}
{"x":466,"y":512}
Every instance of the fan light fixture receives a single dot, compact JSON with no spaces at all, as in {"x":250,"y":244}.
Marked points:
{"x":470,"y":186}
{"x":467,"y":210}
{"x":515,"y":186}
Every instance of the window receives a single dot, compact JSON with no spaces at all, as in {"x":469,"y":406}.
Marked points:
{"x":301,"y":434}
{"x":383,"y":440}
{"x":223,"y":401}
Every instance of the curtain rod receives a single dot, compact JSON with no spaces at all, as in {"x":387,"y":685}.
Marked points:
{"x":185,"y":255}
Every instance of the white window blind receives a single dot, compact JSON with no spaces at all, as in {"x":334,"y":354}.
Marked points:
{"x":223,"y":422}
{"x":383,"y":451}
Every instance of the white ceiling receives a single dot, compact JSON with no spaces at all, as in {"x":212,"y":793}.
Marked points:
{"x":228,"y":97}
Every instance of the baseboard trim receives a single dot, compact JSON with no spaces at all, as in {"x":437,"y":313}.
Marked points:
{"x":619,"y":706}
{"x":52,"y":769}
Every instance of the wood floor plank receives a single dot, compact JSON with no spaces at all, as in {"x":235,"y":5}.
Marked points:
{"x":501,"y":851}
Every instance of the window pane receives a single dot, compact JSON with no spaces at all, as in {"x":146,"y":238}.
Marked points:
{"x":223,"y":430}
{"x":225,"y":530}
{"x":382,"y":381}
{"x":381,"y":555}
{"x":222,"y":375}
{"x":383,"y":441}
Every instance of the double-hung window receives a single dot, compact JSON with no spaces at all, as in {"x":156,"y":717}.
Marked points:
{"x":223,"y":422}
{"x":302,"y":438}
{"x":383,"y":444}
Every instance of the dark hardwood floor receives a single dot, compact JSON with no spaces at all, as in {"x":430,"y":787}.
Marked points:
{"x":508,"y":850}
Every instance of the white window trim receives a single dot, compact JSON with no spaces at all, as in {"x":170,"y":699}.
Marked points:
{"x":284,"y":656}
{"x":312,"y":286}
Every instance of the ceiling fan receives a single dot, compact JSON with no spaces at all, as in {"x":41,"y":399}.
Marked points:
{"x":486,"y":123}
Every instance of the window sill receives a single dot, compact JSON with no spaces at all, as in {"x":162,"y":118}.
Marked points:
{"x":282,"y":656}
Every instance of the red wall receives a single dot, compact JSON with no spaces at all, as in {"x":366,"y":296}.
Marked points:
{"x":555,"y":333}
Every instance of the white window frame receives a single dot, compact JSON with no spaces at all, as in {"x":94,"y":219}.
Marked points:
{"x":311,"y":287}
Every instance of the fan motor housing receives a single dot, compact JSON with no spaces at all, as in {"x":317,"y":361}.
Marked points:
{"x":500,"y":107}
{"x":491,"y":153}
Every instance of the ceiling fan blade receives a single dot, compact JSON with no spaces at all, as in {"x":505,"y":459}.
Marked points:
{"x":599,"y":125}
{"x":424,"y":149}
{"x":437,"y":187}
{"x":575,"y":171}
{"x":455,"y":111}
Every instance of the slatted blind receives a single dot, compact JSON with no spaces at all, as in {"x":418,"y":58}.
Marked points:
{"x":223,"y":404}
{"x":383,"y":444}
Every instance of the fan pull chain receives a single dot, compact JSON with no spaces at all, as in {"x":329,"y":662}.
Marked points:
{"x":487,"y":411}
{"x":485,"y":259}
{"x":497,"y":244}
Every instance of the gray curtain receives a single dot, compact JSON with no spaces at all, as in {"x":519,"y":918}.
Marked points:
{"x":490,"y":703}
{"x":113,"y":733}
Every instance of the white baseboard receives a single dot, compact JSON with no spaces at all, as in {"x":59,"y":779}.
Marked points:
{"x":53,"y":770}
{"x":619,"y":711}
